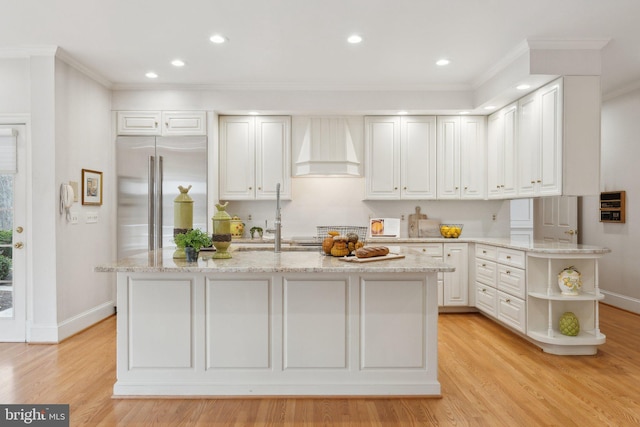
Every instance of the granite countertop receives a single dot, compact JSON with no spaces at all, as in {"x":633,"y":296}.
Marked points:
{"x":262,"y":261}
{"x":540,"y":247}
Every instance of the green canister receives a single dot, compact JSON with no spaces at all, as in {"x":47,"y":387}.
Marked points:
{"x":221,"y":236}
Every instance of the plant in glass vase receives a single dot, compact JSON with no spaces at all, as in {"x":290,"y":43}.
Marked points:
{"x":192,"y":241}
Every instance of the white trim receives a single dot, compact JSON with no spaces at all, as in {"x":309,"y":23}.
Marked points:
{"x":568,"y":44}
{"x":84,"y":320}
{"x":501,"y":64}
{"x":68,"y":59}
{"x":622,"y":301}
{"x":305,"y":87}
{"x":622,"y":90}
{"x":26,"y":52}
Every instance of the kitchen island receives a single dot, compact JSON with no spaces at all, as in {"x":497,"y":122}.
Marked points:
{"x":291,"y":323}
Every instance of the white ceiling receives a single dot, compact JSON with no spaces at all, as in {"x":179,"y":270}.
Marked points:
{"x":302,"y":43}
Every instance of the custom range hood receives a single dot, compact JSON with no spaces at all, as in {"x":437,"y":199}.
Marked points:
{"x":327,"y":146}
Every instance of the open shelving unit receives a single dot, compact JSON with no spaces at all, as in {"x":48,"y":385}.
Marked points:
{"x":545,"y":303}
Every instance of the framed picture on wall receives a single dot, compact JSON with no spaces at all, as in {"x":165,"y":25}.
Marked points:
{"x":91,"y":187}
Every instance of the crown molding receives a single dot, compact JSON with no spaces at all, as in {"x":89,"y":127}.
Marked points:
{"x":27,"y":51}
{"x":70,"y":60}
{"x":568,"y":44}
{"x":521,"y":49}
{"x":300,"y":87}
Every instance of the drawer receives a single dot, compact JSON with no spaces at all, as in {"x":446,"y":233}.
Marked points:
{"x":433,"y":249}
{"x":511,"y":257}
{"x":486,"y":299}
{"x":486,"y":252}
{"x":486,"y":271}
{"x":512,"y":281}
{"x":512,"y":311}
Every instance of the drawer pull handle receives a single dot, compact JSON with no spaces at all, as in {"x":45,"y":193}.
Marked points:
{"x":508,"y":272}
{"x":508,"y":300}
{"x":484,"y":289}
{"x":484,"y":252}
{"x":484,"y":265}
{"x":508,"y":256}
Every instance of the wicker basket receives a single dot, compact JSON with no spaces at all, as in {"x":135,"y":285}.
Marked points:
{"x":323,"y":231}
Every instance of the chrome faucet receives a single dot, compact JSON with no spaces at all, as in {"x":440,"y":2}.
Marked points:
{"x":278,"y":222}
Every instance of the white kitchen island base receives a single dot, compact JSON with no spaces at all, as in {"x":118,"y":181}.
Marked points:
{"x":335,"y":330}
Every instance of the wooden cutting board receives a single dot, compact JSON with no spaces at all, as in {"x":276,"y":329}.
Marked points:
{"x":371,"y":259}
{"x":413,"y":222}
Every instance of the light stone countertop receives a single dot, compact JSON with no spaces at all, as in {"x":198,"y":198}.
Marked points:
{"x":539,"y":247}
{"x":263,"y":261}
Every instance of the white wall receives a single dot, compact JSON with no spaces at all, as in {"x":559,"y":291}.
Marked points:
{"x":619,"y":270}
{"x":338,"y":201}
{"x":83,"y":130}
{"x":14,"y":86}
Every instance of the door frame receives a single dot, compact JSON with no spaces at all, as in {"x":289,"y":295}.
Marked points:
{"x":25,"y":222}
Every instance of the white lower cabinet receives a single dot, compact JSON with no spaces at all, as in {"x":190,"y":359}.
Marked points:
{"x":453,"y":287}
{"x":501,"y":284}
{"x":520,"y":290}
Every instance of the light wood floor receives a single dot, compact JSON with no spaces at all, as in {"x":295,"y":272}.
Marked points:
{"x":489,"y":377}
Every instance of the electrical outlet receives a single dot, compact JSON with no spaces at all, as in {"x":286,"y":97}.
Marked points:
{"x":92,"y":217}
{"x":249,"y":217}
{"x":494,"y":217}
{"x":73,"y":217}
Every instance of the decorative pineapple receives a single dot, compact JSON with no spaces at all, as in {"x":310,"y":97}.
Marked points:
{"x":569,"y":324}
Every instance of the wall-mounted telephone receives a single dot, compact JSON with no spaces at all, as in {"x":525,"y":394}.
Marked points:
{"x":66,"y":200}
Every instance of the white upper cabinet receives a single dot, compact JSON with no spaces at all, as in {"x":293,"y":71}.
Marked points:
{"x":184,"y":123}
{"x":255,"y":155}
{"x":400,"y":157}
{"x":501,"y":153}
{"x":461,"y":157}
{"x":139,"y":122}
{"x":418,"y":157}
{"x":165,"y":123}
{"x":540,"y":142}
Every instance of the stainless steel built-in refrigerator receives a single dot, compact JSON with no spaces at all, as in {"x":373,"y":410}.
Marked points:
{"x":150,"y":169}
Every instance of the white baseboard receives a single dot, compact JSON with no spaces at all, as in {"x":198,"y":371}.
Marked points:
{"x":84,"y":320}
{"x":621,"y":301}
{"x":56,"y":333}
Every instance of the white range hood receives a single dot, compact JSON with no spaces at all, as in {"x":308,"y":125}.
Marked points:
{"x":327,"y":146}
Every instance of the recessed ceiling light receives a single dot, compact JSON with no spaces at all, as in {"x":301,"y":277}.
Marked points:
{"x":523,"y":87}
{"x":464,"y":112}
{"x":490,"y":107}
{"x":218,"y":39}
{"x":177,"y":63}
{"x":354,"y":39}
{"x":402,"y":113}
{"x":253,"y":113}
{"x":442,"y":62}
{"x":151,"y":75}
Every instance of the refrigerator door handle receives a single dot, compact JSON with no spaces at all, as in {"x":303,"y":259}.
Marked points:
{"x":151,"y":200}
{"x":159,"y":235}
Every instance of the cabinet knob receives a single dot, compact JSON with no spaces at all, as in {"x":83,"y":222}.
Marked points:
{"x":457,"y":188}
{"x":395,"y":188}
{"x":424,"y":250}
{"x":508,"y":256}
{"x":502,"y":186}
{"x":404,"y":188}
{"x":448,"y":254}
{"x":508,"y":300}
{"x":484,"y":289}
{"x":497,"y":186}
{"x":533,"y":182}
{"x":250,"y":188}
{"x":508,"y":271}
{"x":484,"y":252}
{"x":155,"y":124}
{"x":259,"y":188}
{"x":484,"y":265}
{"x":539,"y":181}
{"x":466,"y":188}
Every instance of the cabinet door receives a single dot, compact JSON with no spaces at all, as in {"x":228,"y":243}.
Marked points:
{"x":138,"y":122}
{"x":529,"y":140}
{"x":273,"y":157}
{"x":495,"y":164}
{"x":184,"y":123}
{"x":448,"y":154}
{"x":237,"y":158}
{"x":509,"y":158}
{"x":382,"y":157}
{"x":473,"y":176}
{"x":550,"y":173}
{"x":418,"y":157}
{"x":456,"y":283}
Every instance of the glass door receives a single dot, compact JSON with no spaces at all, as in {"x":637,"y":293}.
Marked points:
{"x":12,"y":241}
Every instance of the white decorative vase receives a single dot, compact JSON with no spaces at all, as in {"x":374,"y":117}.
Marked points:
{"x":570,"y":281}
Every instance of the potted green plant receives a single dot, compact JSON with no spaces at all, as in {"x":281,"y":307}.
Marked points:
{"x":192,"y":241}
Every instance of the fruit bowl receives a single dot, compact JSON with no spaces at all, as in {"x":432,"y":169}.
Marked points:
{"x":450,"y":231}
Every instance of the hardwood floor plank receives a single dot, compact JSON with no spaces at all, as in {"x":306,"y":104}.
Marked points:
{"x":489,"y":377}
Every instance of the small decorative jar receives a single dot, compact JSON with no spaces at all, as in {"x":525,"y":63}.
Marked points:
{"x":221,"y":237}
{"x":237,"y":227}
{"x":569,"y":281}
